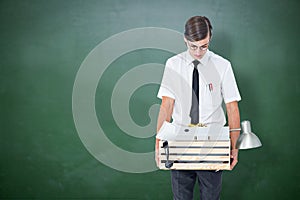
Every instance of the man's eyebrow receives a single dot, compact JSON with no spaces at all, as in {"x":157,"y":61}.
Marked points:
{"x":200,"y":46}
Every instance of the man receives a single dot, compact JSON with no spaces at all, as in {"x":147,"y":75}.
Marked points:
{"x":194,"y":85}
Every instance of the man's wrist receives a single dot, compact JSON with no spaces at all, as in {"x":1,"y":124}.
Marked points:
{"x":235,"y":129}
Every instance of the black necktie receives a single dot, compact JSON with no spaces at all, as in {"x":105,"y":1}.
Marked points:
{"x":194,"y":114}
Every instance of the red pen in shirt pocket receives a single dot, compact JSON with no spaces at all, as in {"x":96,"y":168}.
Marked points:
{"x":210,"y":87}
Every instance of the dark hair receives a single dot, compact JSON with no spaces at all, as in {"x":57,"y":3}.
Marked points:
{"x":197,"y":28}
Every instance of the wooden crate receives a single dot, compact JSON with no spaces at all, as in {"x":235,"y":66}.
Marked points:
{"x":195,"y":155}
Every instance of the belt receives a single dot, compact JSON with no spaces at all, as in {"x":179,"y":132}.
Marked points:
{"x":197,"y":125}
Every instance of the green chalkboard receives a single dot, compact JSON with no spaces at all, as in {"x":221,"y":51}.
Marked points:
{"x":43,"y":45}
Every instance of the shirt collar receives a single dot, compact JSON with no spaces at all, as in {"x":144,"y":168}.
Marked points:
{"x":203,"y":60}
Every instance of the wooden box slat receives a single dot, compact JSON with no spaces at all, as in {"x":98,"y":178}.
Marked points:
{"x":207,"y":143}
{"x":199,"y":158}
{"x":197,"y":166}
{"x":195,"y":151}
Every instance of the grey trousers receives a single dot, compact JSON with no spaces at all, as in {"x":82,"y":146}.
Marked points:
{"x":183,"y":182}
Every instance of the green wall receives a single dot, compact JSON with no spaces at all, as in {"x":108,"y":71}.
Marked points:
{"x":42,"y":46}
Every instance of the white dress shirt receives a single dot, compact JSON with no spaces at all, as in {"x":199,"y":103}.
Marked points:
{"x":216,"y":83}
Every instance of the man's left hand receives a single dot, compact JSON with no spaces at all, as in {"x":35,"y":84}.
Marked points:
{"x":234,"y":158}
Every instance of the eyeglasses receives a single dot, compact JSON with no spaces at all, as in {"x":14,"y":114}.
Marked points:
{"x":195,"y":47}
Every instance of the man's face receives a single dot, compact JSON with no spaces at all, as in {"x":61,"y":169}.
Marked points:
{"x":198,"y":49}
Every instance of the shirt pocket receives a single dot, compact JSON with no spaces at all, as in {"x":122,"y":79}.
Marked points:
{"x":212,"y":95}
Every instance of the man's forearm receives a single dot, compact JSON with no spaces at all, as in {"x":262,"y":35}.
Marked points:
{"x":233,"y":122}
{"x":165,"y":112}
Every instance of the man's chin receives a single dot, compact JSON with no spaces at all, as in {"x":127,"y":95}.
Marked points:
{"x":198,"y":57}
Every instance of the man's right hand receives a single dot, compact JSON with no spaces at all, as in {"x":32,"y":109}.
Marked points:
{"x":157,"y":152}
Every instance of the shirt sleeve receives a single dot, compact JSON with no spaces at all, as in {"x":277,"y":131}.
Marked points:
{"x":230,"y":89}
{"x":166,"y":86}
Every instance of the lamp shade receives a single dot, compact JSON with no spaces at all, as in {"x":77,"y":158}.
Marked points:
{"x":247,"y":139}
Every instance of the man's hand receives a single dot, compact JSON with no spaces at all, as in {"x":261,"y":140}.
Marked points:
{"x":233,"y":158}
{"x":156,"y":152}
